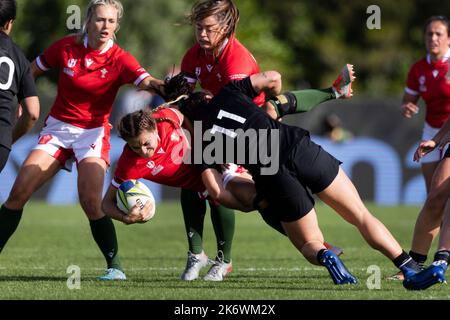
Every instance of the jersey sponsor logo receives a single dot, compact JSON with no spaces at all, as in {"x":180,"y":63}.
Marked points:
{"x":93,"y":146}
{"x":88,"y":62}
{"x":45,"y":139}
{"x":71,"y":63}
{"x":422,"y":87}
{"x":209,"y":67}
{"x":151,"y":165}
{"x":161,"y":151}
{"x":198,"y":71}
{"x":175,"y":137}
{"x":69,"y":72}
{"x":157,"y":170}
{"x":104,"y":73}
{"x":435,"y":73}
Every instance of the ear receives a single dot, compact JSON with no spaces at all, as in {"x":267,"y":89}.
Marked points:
{"x":8,"y":26}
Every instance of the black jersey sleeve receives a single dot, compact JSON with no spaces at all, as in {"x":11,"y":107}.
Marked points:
{"x":27,"y":87}
{"x":244,"y":86}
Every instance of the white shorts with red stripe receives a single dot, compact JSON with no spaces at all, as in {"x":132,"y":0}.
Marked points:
{"x":437,"y":154}
{"x":68,"y":143}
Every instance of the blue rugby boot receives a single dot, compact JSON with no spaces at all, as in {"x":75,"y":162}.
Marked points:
{"x":336,"y":268}
{"x":410,"y":268}
{"x":430,"y":276}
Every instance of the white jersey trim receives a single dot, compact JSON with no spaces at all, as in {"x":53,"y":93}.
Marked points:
{"x":41,"y":65}
{"x":411,"y":92}
{"x":190,"y":80}
{"x":115,"y":184}
{"x":141,"y":78}
{"x":109,"y":45}
{"x":445,"y":58}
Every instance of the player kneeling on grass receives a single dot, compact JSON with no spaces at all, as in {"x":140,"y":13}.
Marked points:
{"x":302,"y":166}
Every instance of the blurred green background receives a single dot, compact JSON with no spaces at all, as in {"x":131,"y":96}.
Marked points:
{"x":306,"y":41}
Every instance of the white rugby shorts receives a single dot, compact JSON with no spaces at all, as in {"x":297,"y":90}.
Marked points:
{"x":68,"y":143}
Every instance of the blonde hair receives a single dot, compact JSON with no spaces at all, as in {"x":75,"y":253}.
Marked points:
{"x":90,"y":12}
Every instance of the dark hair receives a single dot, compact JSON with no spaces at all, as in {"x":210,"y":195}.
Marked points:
{"x":133,"y":124}
{"x":8,"y":9}
{"x":224,"y":10}
{"x":443,"y":19}
{"x":178,"y":86}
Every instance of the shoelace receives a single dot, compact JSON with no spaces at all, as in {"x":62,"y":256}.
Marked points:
{"x":217,"y":263}
{"x":193,"y":260}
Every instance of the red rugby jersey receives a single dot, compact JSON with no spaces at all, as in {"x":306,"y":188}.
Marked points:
{"x":165,"y":166}
{"x":431,"y":80}
{"x":88,"y":79}
{"x":234,"y":63}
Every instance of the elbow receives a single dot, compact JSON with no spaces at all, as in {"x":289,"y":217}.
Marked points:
{"x":275,"y":83}
{"x":34,"y":117}
{"x":215,"y":194}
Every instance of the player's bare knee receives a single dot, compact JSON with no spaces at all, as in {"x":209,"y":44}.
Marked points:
{"x":435,"y":203}
{"x":91,"y":204}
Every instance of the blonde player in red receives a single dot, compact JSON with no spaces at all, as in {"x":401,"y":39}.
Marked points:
{"x":92,"y":68}
{"x":429,"y":79}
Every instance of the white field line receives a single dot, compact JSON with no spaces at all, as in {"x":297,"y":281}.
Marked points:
{"x":236,"y":269}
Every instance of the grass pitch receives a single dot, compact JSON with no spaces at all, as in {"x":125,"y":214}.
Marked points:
{"x":266,"y":266}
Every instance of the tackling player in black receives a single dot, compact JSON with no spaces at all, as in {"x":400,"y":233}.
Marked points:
{"x":15,"y":82}
{"x":287,"y":168}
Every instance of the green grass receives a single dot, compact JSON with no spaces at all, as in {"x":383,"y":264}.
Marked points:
{"x":266,"y":266}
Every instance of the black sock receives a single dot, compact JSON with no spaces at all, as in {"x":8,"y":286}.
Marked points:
{"x":442,"y":255}
{"x":319,"y":255}
{"x":9,"y":220}
{"x":104,"y":235}
{"x":419,"y":258}
{"x":405,"y":261}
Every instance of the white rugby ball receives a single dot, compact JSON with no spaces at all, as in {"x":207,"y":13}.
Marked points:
{"x":134,"y":192}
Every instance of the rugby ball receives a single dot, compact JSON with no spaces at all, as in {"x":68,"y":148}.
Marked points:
{"x":134,"y":192}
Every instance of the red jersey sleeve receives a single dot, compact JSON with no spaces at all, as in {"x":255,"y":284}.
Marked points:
{"x":52,"y":56}
{"x":169,"y":113}
{"x":242,"y":68}
{"x":125,"y":168}
{"x":131,"y":70}
{"x":188,"y":64}
{"x":412,"y":84}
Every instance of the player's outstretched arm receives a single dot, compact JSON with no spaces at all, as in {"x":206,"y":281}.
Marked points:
{"x":212,"y":180}
{"x":268,"y":82}
{"x":153,"y":85}
{"x":441,"y":138}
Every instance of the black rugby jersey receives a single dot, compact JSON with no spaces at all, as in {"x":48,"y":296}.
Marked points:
{"x":250,"y":137}
{"x":15,"y":81}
